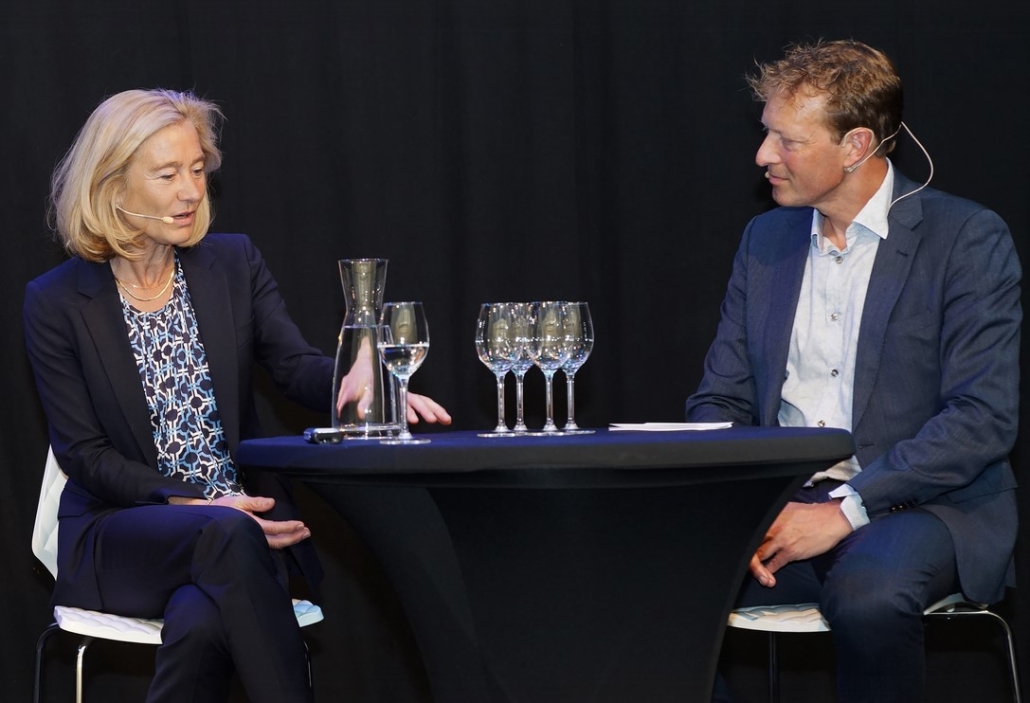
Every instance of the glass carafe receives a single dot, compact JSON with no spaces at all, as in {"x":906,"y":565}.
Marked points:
{"x":364,"y":393}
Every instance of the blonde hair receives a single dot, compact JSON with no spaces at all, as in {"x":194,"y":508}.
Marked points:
{"x":861,"y":84}
{"x":91,"y":176}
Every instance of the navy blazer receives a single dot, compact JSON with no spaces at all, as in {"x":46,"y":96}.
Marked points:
{"x":936,"y":389}
{"x":98,"y":416}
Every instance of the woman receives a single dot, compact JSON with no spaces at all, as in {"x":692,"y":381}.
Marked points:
{"x":142,"y":346}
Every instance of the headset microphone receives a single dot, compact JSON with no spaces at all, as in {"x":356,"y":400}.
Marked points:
{"x":167,"y":220}
{"x":853,"y":167}
{"x":850,"y":169}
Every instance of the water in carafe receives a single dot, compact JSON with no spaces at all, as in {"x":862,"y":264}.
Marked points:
{"x":364,"y":394}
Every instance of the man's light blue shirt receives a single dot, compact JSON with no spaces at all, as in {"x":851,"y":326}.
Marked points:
{"x":818,"y":388}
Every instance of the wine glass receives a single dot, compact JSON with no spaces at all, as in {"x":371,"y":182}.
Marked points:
{"x":579,"y":330}
{"x":494,"y":346}
{"x":403,"y":346}
{"x":520,"y":333}
{"x":549,"y":349}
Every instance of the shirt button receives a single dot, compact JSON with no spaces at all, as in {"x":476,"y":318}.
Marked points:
{"x":840,"y":259}
{"x":821,"y":423}
{"x":835,"y":316}
{"x":835,"y":373}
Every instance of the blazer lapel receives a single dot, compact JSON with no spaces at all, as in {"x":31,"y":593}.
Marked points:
{"x":209,"y":291}
{"x":104,"y":320}
{"x":890,"y":271}
{"x":782,"y":290}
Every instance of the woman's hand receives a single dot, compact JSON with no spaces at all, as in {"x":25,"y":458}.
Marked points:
{"x":279,"y":533}
{"x":357,"y":385}
{"x":427,"y":408}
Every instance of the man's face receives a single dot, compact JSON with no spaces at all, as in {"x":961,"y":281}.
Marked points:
{"x":803,"y":159}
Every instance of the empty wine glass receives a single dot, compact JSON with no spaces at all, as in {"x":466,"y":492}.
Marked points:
{"x":549,"y":349}
{"x":495,"y":347}
{"x":521,"y":332}
{"x":403,"y":346}
{"x":579,"y":330}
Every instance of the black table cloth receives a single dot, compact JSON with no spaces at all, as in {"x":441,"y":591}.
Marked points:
{"x":577,"y":568}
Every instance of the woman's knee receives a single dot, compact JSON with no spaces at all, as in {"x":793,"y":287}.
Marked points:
{"x":232,"y":548}
{"x":191,"y":616}
{"x":235,"y":526}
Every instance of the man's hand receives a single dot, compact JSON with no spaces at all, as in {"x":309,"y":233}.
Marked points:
{"x":800,"y":531}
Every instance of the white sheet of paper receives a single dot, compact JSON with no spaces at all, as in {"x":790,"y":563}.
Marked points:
{"x":668,"y":426}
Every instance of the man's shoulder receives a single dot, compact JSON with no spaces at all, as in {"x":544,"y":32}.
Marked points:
{"x":941,"y":218}
{"x":933,"y":202}
{"x":929,"y":194}
{"x":784,"y":218}
{"x":789,"y":227}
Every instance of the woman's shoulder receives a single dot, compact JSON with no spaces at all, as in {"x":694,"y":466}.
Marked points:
{"x":67,"y":275}
{"x":67,"y":287}
{"x":228,"y":249}
{"x":218,"y":242}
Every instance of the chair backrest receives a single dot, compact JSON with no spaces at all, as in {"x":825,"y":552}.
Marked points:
{"x":44,"y":533}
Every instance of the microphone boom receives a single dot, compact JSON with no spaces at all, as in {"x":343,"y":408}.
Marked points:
{"x":167,"y":220}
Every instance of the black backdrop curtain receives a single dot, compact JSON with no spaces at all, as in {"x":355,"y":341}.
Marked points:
{"x":490,"y":149}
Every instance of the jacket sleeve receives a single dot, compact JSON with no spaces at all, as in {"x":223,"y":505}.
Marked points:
{"x":300,"y":371}
{"x":727,"y":392}
{"x":973,"y":426}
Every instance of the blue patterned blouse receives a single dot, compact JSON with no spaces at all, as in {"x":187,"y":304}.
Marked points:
{"x":173,"y":367}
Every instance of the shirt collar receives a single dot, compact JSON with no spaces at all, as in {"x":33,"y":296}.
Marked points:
{"x":873,"y":215}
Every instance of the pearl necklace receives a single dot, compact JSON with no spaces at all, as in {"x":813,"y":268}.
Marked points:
{"x":141,"y":299}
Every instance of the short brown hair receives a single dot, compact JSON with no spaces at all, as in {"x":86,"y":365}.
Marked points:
{"x":88,"y":180}
{"x":861,"y":85}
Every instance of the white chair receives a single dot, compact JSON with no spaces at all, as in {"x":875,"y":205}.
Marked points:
{"x":805,"y":617}
{"x":92,"y":624}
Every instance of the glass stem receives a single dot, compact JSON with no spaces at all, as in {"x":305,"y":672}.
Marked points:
{"x":402,"y":407}
{"x":501,"y":426}
{"x":549,"y":426}
{"x":570,"y":421}
{"x":520,"y":419}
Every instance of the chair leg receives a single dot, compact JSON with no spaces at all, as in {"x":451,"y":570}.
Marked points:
{"x":307,"y":658}
{"x":1013,"y":672}
{"x":37,"y":693}
{"x":86,"y":641}
{"x":774,"y":670}
{"x":1010,"y":640}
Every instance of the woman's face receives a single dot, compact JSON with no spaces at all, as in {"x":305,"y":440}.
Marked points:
{"x":166,"y":178}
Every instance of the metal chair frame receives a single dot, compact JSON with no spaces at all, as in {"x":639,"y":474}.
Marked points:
{"x":805,"y":617}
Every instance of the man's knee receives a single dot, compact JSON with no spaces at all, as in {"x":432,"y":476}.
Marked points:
{"x":863,"y":598}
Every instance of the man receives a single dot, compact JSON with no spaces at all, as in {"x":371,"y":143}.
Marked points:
{"x":892,"y":310}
